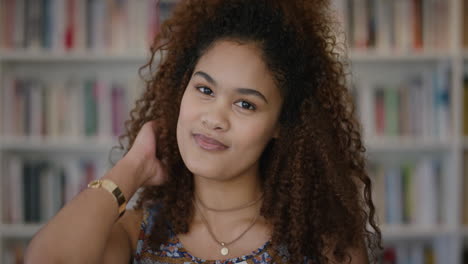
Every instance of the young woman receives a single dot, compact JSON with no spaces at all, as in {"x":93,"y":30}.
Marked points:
{"x":247,"y":146}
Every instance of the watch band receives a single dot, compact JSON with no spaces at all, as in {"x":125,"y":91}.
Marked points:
{"x":112,"y":188}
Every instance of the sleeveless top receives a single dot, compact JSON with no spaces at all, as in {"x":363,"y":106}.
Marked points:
{"x":173,"y":251}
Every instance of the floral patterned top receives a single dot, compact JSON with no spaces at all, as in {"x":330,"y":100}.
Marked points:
{"x":173,"y":251}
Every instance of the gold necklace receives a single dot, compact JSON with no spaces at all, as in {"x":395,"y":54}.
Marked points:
{"x":228,"y":209}
{"x":224,"y":245}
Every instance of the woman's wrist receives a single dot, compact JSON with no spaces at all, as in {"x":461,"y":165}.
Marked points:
{"x":128,"y":175}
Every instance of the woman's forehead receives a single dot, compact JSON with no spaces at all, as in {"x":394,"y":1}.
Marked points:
{"x":236,"y":65}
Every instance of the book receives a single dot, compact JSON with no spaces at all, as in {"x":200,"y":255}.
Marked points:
{"x":465,"y":23}
{"x":465,"y":106}
{"x":14,"y":250}
{"x":377,"y":175}
{"x":465,"y":187}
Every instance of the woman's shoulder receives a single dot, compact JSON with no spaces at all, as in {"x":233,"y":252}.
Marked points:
{"x":134,"y":221}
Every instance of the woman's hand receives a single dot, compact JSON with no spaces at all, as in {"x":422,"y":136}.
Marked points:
{"x":143,"y":151}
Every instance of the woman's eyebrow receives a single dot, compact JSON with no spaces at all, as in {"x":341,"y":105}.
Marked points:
{"x":248,"y":91}
{"x":207,"y":77}
{"x":245,"y":91}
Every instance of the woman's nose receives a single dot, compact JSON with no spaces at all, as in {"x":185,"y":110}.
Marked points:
{"x":215,"y":119}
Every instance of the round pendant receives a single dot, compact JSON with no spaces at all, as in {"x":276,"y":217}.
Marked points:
{"x":224,"y":251}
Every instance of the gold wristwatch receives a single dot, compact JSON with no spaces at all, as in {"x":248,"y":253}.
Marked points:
{"x":111,"y":187}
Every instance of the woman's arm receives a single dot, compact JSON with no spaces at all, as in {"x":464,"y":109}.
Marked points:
{"x":123,"y":238}
{"x":80,"y":231}
{"x":85,"y":230}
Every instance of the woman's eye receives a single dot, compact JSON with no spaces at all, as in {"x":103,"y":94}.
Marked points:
{"x":246,"y":105}
{"x":205,"y":90}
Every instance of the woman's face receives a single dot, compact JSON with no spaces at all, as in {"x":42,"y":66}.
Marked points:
{"x":229,"y":112}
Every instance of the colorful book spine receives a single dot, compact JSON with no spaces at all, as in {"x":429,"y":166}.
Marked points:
{"x":400,"y":26}
{"x":88,"y":107}
{"x":37,"y":189}
{"x":411,"y":252}
{"x":417,"y":106}
{"x":465,"y":106}
{"x":81,"y":25}
{"x":409,"y":193}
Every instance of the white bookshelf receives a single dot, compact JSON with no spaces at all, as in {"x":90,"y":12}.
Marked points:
{"x":365,"y":64}
{"x":373,"y":65}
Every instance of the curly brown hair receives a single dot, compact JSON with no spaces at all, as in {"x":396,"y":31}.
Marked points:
{"x":317,"y":192}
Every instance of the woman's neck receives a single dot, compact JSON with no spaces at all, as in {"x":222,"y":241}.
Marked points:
{"x":233,"y":193}
{"x":227,"y":193}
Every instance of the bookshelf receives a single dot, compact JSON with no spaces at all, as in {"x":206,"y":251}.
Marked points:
{"x":61,"y":61}
{"x":379,"y":61}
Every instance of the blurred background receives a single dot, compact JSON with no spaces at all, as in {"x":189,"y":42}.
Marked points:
{"x":69,"y":77}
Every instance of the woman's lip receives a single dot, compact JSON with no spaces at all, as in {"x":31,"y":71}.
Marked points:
{"x":208,"y":143}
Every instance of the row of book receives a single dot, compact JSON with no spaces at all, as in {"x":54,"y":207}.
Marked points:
{"x":112,"y":26}
{"x":89,"y":107}
{"x":465,"y":106}
{"x":416,"y":106}
{"x":465,"y":23}
{"x":395,"y":26}
{"x":415,"y":252}
{"x":34,"y":190}
{"x":465,"y":188}
{"x":409,"y":192}
{"x":13,"y":251}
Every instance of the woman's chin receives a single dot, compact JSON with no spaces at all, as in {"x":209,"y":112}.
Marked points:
{"x":206,"y":173}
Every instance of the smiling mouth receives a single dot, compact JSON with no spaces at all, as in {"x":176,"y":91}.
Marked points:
{"x":207,"y":143}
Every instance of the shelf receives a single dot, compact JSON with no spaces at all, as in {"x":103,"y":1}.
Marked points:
{"x":465,"y":54}
{"x":19,"y":230}
{"x":403,"y":232}
{"x":46,"y":56}
{"x":406,"y":144}
{"x":464,"y":231}
{"x":72,"y":145}
{"x":355,"y":56}
{"x":376,"y":56}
